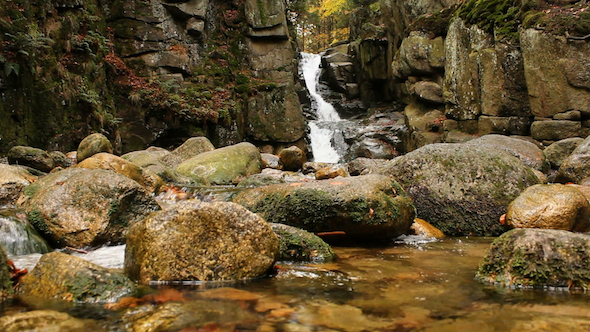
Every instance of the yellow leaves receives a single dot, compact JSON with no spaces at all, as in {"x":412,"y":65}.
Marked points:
{"x":331,"y":7}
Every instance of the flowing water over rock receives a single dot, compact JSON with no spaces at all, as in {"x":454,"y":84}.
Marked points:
{"x":17,"y":236}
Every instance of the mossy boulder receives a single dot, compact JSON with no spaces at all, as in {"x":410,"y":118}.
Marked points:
{"x":13,"y":180}
{"x":78,"y":207}
{"x":190,"y":148}
{"x":299,"y":245}
{"x":369,"y":208}
{"x":5,"y":282}
{"x":70,"y":278}
{"x":107,"y":161}
{"x":93,"y":144}
{"x":527,"y":152}
{"x":151,"y":159}
{"x":194,"y":240}
{"x":557,"y":152}
{"x":550,"y":206}
{"x":46,"y":320}
{"x":225,"y":165}
{"x":32,"y":157}
{"x":461,"y":189}
{"x":576,"y":167}
{"x":529,"y":257}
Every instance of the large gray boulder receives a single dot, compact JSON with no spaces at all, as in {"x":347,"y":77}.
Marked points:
{"x":194,"y":240}
{"x":576,"y":167}
{"x":70,"y":278}
{"x":79,"y":207}
{"x":227,"y":165}
{"x":537,"y":258}
{"x":461,"y":189}
{"x":369,"y":208}
{"x":190,"y":148}
{"x":527,"y":152}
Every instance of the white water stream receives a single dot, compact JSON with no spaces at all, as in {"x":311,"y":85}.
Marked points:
{"x":321,"y":132}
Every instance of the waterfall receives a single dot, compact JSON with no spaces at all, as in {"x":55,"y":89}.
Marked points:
{"x":321,"y":130}
{"x":17,"y":236}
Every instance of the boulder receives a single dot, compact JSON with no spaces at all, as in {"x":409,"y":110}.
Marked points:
{"x":331,"y":172}
{"x":60,"y":159}
{"x":312,"y":167}
{"x":13,"y":180}
{"x":554,"y":130}
{"x":369,"y":208}
{"x":461,"y":189}
{"x":576,"y":167}
{"x":70,"y":278}
{"x":93,"y":144}
{"x":151,"y":160}
{"x":292,"y":158}
{"x":422,"y":228}
{"x":194,"y":240}
{"x":270,"y":160}
{"x":419,"y":55}
{"x":32,"y":157}
{"x":5,"y":282}
{"x":537,"y":258}
{"x":298,"y":245}
{"x":19,"y":237}
{"x":557,"y":152}
{"x":107,"y":161}
{"x":225,"y":165}
{"x":79,"y":207}
{"x":361,"y":165}
{"x":190,"y":148}
{"x":527,"y":152}
{"x":430,"y":92}
{"x":550,"y":206}
{"x":46,"y":320}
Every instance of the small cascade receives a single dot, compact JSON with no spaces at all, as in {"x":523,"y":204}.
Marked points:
{"x":323,"y":129}
{"x":18,"y":237}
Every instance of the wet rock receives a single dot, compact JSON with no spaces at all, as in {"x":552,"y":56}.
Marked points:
{"x":338,"y":317}
{"x":312,"y":167}
{"x":5,"y":282}
{"x":576,"y":167}
{"x":107,"y":161}
{"x":423,"y":228}
{"x":461,"y":189}
{"x":360,"y":166}
{"x":79,"y":207}
{"x":93,"y":144}
{"x":381,"y":136}
{"x":225,"y":165}
{"x":13,"y":180}
{"x":537,"y":258}
{"x":331,"y":172}
{"x":527,"y":152}
{"x":259,"y":180}
{"x":46,"y":320}
{"x":175,"y":316}
{"x":292,"y":158}
{"x":299,"y":245}
{"x":270,"y":160}
{"x":70,"y":278}
{"x":190,"y":148}
{"x":200,"y":241}
{"x":557,"y":152}
{"x":32,"y":157}
{"x":551,"y":206}
{"x":370,"y":208}
{"x":19,"y":237}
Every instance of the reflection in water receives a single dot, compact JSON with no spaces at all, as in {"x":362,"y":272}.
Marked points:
{"x":415,"y":285}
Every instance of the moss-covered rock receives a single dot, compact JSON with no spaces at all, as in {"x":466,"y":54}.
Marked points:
{"x":70,"y":278}
{"x":5,"y":282}
{"x":550,"y":206}
{"x":225,"y":165}
{"x":32,"y":157}
{"x":200,"y":241}
{"x":538,"y":258}
{"x":369,"y":209}
{"x":575,"y":167}
{"x":299,"y":245}
{"x":150,"y":159}
{"x":93,"y":144}
{"x":79,"y":207}
{"x":461,"y":189}
{"x":190,"y":148}
{"x":527,"y":152}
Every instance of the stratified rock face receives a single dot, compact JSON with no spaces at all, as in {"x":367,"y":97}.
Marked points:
{"x":70,"y":278}
{"x":267,"y":19}
{"x":299,"y":245}
{"x":576,"y":167}
{"x":527,"y":152}
{"x":32,"y":157}
{"x":538,"y":258}
{"x":47,"y":320}
{"x":200,"y":241}
{"x":555,"y":69}
{"x":462,"y":189}
{"x":552,"y":206}
{"x":224,"y":165}
{"x":79,"y":207}
{"x":92,"y":145}
{"x":13,"y":180}
{"x":370,"y":208}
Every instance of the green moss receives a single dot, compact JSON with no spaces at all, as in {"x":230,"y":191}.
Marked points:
{"x":36,"y":219}
{"x":262,"y":11}
{"x":297,"y":244}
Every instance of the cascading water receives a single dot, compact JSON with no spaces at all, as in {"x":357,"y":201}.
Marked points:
{"x":321,"y":131}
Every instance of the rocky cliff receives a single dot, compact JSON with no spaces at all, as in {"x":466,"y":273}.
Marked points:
{"x":147,"y":72}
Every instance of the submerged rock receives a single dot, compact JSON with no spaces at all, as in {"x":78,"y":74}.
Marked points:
{"x":369,"y":208}
{"x":46,"y":320}
{"x":32,"y":157}
{"x":297,"y":244}
{"x":79,"y":207}
{"x":538,"y":258}
{"x":225,"y":165}
{"x":13,"y":180}
{"x":70,"y":278}
{"x":461,"y":189}
{"x":93,"y":144}
{"x":200,"y":241}
{"x":550,"y":206}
